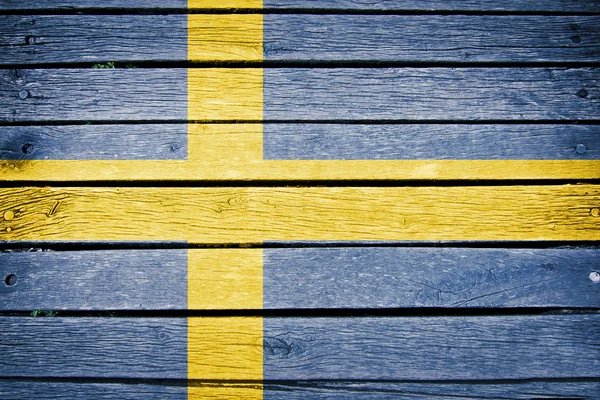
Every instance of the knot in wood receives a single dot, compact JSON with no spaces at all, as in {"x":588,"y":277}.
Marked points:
{"x":278,"y":347}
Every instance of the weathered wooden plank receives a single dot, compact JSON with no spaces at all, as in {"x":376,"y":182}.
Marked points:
{"x":429,"y":277}
{"x":92,"y":38}
{"x":291,"y":278}
{"x":16,"y":389}
{"x":95,"y":280}
{"x":308,"y":142}
{"x":38,"y":39}
{"x":93,"y":94}
{"x":388,"y":5}
{"x":430,"y":38}
{"x":94,"y":142}
{"x":430,"y":94}
{"x":430,"y":142}
{"x":415,"y":94}
{"x":387,"y":348}
{"x":298,"y":152}
{"x":255,"y":214}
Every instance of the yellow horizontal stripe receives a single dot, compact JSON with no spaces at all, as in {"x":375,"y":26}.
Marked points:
{"x":256,"y":214}
{"x":235,"y":151}
{"x":225,"y":279}
{"x":229,"y":37}
{"x":225,"y":348}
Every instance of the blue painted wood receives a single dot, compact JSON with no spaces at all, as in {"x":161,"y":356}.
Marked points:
{"x":93,"y":94}
{"x":459,"y":348}
{"x":440,"y":5}
{"x":431,"y":94}
{"x":304,"y":278}
{"x":94,"y":142}
{"x":26,"y":390}
{"x":358,"y":348}
{"x":363,"y":277}
{"x":430,"y":142}
{"x":390,"y":5}
{"x":415,"y":94}
{"x":94,"y":280}
{"x":431,"y":38}
{"x":94,"y":347}
{"x":35,"y":39}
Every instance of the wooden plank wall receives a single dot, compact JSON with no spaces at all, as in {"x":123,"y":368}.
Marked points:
{"x":299,"y":199}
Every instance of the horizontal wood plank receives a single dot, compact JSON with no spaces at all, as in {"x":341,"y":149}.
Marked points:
{"x":413,"y":94}
{"x":429,"y":277}
{"x":287,"y":152}
{"x":444,"y":348}
{"x":390,"y":5}
{"x":430,"y":142}
{"x":98,"y":142}
{"x":304,"y":142}
{"x":256,"y":214}
{"x":25,"y":390}
{"x":288,"y":278}
{"x":39,"y":39}
{"x":430,"y":94}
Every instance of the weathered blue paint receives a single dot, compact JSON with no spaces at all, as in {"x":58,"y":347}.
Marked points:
{"x":440,"y":94}
{"x":94,"y":347}
{"x":431,"y":38}
{"x":440,"y":348}
{"x":388,"y":5}
{"x":430,"y":142}
{"x":401,"y":277}
{"x":94,"y":142}
{"x":93,"y":95}
{"x":177,"y":390}
{"x":95,"y":280}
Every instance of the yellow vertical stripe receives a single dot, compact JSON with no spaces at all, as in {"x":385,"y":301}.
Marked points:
{"x":225,"y":279}
{"x":225,"y":348}
{"x":230,"y":37}
{"x":199,"y":4}
{"x":225,"y":94}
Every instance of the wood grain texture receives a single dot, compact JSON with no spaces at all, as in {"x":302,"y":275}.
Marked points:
{"x":430,"y":94}
{"x":94,"y":347}
{"x":25,"y":390}
{"x":444,"y":94}
{"x":39,"y":39}
{"x":456,"y":348}
{"x":400,"y":5}
{"x":94,"y":142}
{"x":299,"y":278}
{"x":255,"y":214}
{"x":93,"y":94}
{"x":430,"y":142}
{"x":430,"y":38}
{"x":218,"y":152}
{"x":95,"y":280}
{"x":225,"y":348}
{"x":432,"y":348}
{"x":429,"y":277}
{"x":42,"y":39}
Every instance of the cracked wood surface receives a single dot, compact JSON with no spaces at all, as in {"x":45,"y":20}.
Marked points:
{"x":39,"y":39}
{"x":309,"y":94}
{"x":559,"y":6}
{"x":256,"y":214}
{"x":300,"y":278}
{"x":18,"y":389}
{"x":382,"y":348}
